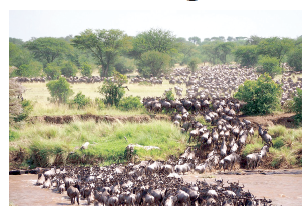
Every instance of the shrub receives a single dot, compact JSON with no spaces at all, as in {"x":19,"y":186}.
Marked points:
{"x":113,"y":90}
{"x":68,"y":69}
{"x":60,"y":90}
{"x":81,"y":100}
{"x":193,"y":63}
{"x":295,"y":58}
{"x":269,"y":65}
{"x":99,"y":103}
{"x":124,"y":65}
{"x":86,"y":69}
{"x":130,"y":103}
{"x":52,"y":70}
{"x":298,"y":105}
{"x":262,"y":95}
{"x":169,"y":96}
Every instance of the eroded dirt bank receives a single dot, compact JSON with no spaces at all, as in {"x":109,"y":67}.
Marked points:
{"x":62,"y":119}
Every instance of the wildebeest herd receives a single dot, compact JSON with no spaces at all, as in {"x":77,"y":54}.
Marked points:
{"x":219,"y":139}
{"x":146,"y":183}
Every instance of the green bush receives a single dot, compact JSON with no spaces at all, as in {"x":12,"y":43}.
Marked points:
{"x":68,"y":69}
{"x":99,"y":103}
{"x":269,"y":65}
{"x":262,"y":95}
{"x":60,"y":90}
{"x":193,"y":64}
{"x":52,"y":70}
{"x":124,"y":65}
{"x":169,"y":96}
{"x":130,"y":103}
{"x":113,"y":90}
{"x":81,"y":100}
{"x":298,"y":105}
{"x":295,"y":58}
{"x":86,"y":69}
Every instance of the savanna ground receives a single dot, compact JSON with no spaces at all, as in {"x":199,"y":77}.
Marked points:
{"x":105,"y":128}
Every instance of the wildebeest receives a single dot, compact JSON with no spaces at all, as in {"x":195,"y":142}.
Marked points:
{"x":73,"y":193}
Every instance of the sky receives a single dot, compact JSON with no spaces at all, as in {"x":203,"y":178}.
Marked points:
{"x":25,"y":24}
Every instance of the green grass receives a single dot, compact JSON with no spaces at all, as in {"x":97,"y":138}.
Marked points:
{"x":286,"y":150}
{"x":49,"y":144}
{"x":39,"y":94}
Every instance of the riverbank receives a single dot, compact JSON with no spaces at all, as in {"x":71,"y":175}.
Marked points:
{"x":282,"y":189}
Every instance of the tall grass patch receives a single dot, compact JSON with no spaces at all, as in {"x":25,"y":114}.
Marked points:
{"x":51,"y":144}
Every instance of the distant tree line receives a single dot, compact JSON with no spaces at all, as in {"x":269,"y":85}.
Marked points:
{"x":150,"y":53}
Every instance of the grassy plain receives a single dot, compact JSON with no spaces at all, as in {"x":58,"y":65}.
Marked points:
{"x":39,"y":94}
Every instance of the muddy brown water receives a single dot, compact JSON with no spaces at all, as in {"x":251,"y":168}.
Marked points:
{"x":282,"y":189}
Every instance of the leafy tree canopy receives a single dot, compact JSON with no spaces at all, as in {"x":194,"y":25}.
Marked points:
{"x":52,"y":70}
{"x":153,"y":40}
{"x":104,"y":45}
{"x":275,"y":47}
{"x":153,"y":63}
{"x":269,"y":65}
{"x":47,"y":49}
{"x":246,"y":55}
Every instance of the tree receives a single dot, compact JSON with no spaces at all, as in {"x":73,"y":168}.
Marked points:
{"x":253,"y":40}
{"x":18,"y":55}
{"x":206,"y":41}
{"x":86,"y":69}
{"x":33,"y":69}
{"x":210,"y":51}
{"x":48,"y":49}
{"x":195,"y":40}
{"x":60,"y":90}
{"x":269,"y":65}
{"x":52,"y":70}
{"x":223,"y":49}
{"x":275,"y":47}
{"x":153,"y":40}
{"x":16,"y":41}
{"x":295,"y":58}
{"x":262,"y":95}
{"x":230,"y":39}
{"x":68,"y":69}
{"x":246,"y":55}
{"x":193,"y":64}
{"x":113,"y":91}
{"x":298,"y":104}
{"x":104,"y":45}
{"x":124,"y":65}
{"x":188,"y":50}
{"x":153,"y":63}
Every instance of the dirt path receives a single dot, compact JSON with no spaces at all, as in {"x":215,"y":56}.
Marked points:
{"x":271,"y":120}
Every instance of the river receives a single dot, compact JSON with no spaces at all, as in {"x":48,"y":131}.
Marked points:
{"x":282,"y":189}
